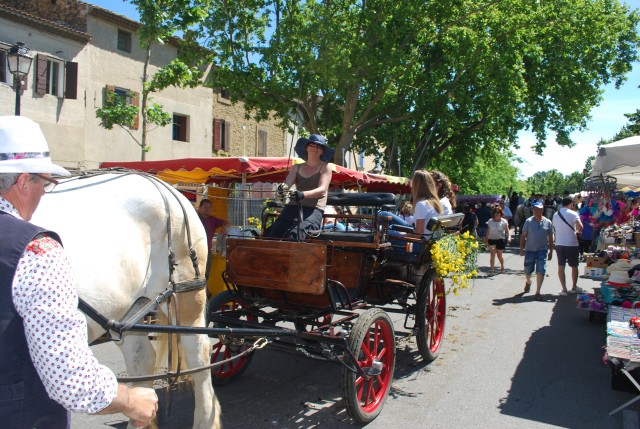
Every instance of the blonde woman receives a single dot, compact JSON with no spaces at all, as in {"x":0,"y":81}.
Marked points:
{"x":427,"y":206}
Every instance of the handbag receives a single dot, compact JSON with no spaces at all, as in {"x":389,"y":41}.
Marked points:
{"x":565,"y":221}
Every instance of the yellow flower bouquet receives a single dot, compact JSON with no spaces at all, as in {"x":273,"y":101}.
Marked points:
{"x":455,"y":256}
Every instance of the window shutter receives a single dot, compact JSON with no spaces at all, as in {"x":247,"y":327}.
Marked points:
{"x":41,"y":74}
{"x":107,"y":89}
{"x":217,"y":128}
{"x":71,"y":80}
{"x":135,"y":100}
{"x":226,"y":144}
{"x":262,"y":143}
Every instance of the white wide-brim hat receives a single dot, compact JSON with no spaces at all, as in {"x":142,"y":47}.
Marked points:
{"x":23,"y":148}
{"x":619,"y":265}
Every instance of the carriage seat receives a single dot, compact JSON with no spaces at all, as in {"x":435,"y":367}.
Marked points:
{"x":347,"y":236}
{"x":376,"y":199}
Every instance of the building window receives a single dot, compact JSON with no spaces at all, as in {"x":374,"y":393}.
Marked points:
{"x":262,"y":143}
{"x":114,"y":95}
{"x":221,"y":135}
{"x":180,"y":125}
{"x":122,"y":96}
{"x":55,"y":78}
{"x":50,"y":76}
{"x":5,"y":76}
{"x":124,"y":41}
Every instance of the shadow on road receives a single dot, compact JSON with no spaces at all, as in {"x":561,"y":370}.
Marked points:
{"x":553,"y":382}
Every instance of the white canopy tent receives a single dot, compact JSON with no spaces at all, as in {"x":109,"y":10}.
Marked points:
{"x":621,"y":160}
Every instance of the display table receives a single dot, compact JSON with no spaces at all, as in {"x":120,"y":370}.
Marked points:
{"x":623,"y":345}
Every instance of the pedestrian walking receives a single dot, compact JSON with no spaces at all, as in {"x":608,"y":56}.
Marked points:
{"x":497,"y":236}
{"x":567,"y":226}
{"x":536,"y":245}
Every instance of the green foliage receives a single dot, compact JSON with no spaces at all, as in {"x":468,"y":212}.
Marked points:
{"x":548,"y":182}
{"x":116,"y":111}
{"x":383,"y":73}
{"x":157,"y":116}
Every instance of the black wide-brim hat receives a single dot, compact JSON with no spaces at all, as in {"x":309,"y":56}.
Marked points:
{"x":301,"y":147}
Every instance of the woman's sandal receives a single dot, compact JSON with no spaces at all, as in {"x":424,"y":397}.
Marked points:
{"x":538,"y":297}
{"x":527,"y":287}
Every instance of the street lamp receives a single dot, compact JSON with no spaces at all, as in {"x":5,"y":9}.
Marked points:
{"x":19,"y":59}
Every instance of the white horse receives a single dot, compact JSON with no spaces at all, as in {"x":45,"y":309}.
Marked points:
{"x":114,"y":230}
{"x":523,"y":212}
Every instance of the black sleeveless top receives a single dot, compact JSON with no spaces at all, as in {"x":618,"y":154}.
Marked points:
{"x":306,"y":184}
{"x":24,"y":402}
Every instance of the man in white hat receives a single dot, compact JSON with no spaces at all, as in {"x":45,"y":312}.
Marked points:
{"x":536,"y":245}
{"x":46,"y":366}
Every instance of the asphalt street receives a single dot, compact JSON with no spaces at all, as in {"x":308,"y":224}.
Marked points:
{"x":508,"y":361}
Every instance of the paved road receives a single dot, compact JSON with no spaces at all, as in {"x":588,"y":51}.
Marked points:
{"x":508,"y":362}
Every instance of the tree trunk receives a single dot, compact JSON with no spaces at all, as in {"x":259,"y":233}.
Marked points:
{"x":143,"y":104}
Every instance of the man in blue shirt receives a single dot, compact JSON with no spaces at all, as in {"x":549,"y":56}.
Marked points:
{"x":536,"y":245}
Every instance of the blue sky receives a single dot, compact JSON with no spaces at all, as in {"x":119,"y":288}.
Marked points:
{"x":606,"y":119}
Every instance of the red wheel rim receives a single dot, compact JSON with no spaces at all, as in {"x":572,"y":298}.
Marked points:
{"x":436,"y":314}
{"x":226,"y":348}
{"x":378,"y":346}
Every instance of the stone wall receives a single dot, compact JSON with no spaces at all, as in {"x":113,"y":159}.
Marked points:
{"x":245,"y":142}
{"x":69,"y":13}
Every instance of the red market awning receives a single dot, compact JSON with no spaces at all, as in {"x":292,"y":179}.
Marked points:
{"x":222,"y":171}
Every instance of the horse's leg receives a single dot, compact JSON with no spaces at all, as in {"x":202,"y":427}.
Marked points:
{"x":139,"y":358}
{"x":197,"y":352}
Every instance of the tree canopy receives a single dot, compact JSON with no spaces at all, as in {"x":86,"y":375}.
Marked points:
{"x":424,"y":80}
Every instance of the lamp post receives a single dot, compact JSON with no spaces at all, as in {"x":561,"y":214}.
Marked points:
{"x":19,"y":59}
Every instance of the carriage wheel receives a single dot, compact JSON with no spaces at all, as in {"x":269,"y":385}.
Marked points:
{"x":431,"y":313}
{"x":224,"y":347}
{"x":372,"y":342}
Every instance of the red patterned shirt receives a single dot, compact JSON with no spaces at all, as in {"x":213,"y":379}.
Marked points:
{"x":47,"y":301}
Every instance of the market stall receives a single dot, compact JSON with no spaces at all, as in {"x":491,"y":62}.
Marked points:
{"x":620,"y":160}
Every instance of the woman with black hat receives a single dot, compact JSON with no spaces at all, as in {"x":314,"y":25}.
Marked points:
{"x":312,"y":179}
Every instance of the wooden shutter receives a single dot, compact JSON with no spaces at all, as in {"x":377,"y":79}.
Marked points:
{"x":105,"y":97}
{"x":262,"y":143}
{"x":71,"y":80}
{"x":135,"y":100}
{"x":226,"y":144}
{"x":41,"y":74}
{"x":217,"y":128}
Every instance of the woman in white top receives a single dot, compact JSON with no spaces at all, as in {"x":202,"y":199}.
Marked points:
{"x":427,"y":206}
{"x":427,"y":203}
{"x":497,"y":236}
{"x":445,"y":193}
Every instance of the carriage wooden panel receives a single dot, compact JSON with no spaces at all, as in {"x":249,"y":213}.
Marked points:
{"x":280,"y":265}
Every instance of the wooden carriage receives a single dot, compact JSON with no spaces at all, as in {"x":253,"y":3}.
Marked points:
{"x":330,"y":287}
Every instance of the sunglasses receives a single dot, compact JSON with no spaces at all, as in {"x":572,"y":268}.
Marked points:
{"x":50,"y":182}
{"x":316,"y":145}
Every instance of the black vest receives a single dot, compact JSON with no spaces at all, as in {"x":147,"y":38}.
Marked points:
{"x":24,"y":402}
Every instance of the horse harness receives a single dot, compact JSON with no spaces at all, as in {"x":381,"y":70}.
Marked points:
{"x":143,"y":305}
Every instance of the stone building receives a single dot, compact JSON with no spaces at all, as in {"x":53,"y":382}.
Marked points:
{"x":81,"y":50}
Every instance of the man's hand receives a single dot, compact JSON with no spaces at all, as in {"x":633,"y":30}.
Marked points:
{"x":521,"y":252}
{"x":143,"y":405}
{"x":138,"y":403}
{"x":296,"y":195}
{"x":550,"y":255}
